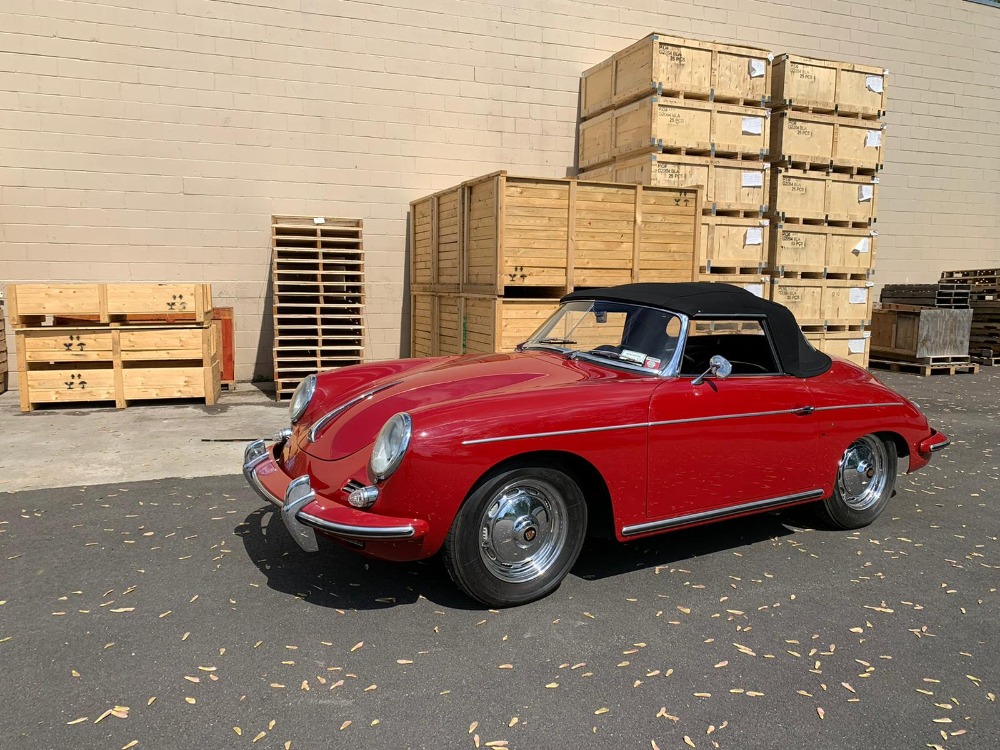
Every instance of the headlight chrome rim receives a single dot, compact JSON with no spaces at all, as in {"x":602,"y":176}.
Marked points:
{"x":397,"y":453}
{"x":301,"y":398}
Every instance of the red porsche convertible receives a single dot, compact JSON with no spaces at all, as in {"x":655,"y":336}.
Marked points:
{"x":633,"y":410}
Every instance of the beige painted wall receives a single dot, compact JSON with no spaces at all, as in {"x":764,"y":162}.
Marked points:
{"x":150,"y":146}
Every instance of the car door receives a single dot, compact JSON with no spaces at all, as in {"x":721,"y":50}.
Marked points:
{"x":748,"y":440}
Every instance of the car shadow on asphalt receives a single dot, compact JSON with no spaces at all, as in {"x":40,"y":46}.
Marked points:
{"x":340,"y":578}
{"x":606,"y":558}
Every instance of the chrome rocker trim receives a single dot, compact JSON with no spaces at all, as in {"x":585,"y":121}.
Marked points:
{"x":712,"y":515}
{"x":299,"y":494}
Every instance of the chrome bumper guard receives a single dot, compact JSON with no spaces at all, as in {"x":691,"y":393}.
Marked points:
{"x":940,"y":446}
{"x":298,"y":495}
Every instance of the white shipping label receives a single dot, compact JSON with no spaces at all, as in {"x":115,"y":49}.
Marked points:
{"x":757,"y":68}
{"x":859,"y":297}
{"x":873,"y":139}
{"x":856,"y":346}
{"x":319,"y":220}
{"x":753,"y":179}
{"x":753,"y":125}
{"x":864,"y":245}
{"x":755,"y":236}
{"x":755,"y":289}
{"x":875,"y":83}
{"x":865,"y":193}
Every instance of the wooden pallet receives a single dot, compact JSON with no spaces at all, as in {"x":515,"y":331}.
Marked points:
{"x":676,"y":67}
{"x":318,"y":305}
{"x":923,"y":369}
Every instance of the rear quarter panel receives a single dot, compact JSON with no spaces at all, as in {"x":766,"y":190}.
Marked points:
{"x":850,"y":403}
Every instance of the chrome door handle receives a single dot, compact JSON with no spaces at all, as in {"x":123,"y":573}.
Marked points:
{"x":803,"y":411}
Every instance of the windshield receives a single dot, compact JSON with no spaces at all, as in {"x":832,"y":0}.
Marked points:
{"x":631,"y":335}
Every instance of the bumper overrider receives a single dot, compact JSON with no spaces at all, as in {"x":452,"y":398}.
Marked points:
{"x":304,"y":512}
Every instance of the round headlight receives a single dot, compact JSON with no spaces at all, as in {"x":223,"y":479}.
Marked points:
{"x":390,"y":445}
{"x":301,"y":398}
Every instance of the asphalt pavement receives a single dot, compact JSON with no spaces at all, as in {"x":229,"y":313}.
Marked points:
{"x":178,"y":613}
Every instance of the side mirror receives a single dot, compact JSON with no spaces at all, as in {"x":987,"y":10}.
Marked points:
{"x":718,"y":367}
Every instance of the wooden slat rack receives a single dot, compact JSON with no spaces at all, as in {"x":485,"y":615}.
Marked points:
{"x":318,"y":277}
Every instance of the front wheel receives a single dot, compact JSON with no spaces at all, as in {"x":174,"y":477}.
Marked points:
{"x":517,"y":536}
{"x":866,"y":478}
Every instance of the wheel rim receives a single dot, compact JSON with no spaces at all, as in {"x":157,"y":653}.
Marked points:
{"x":523,"y":530}
{"x":864,"y":473}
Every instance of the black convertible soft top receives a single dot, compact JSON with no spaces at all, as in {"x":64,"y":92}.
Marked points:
{"x":714,"y":300}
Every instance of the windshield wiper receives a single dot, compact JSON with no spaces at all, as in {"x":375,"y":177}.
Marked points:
{"x":604,"y":353}
{"x":555,"y":341}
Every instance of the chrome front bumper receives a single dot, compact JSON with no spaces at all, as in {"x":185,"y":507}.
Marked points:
{"x":298,"y":494}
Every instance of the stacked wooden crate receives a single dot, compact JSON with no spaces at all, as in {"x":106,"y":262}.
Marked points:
{"x":317,"y":271}
{"x":490,"y":258}
{"x":826,"y":154}
{"x":114,"y":342}
{"x":984,"y":298}
{"x":676,"y":112}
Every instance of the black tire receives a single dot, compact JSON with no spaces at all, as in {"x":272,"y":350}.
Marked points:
{"x":866,"y":478}
{"x":516,"y":536}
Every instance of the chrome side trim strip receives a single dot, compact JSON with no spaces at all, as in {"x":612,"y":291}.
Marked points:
{"x":718,"y":417}
{"x":711,"y":515}
{"x":359,"y":532}
{"x":608,"y":428}
{"x":857,"y":406}
{"x":557,"y":433}
{"x":320,"y":424}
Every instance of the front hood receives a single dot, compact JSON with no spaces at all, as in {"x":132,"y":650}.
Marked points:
{"x":408,"y":385}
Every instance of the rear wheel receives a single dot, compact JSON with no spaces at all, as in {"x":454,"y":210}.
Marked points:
{"x":866,"y":478}
{"x":517,"y":536}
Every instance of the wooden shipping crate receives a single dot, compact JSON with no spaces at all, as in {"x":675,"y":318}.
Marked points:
{"x":823,"y":197}
{"x":831,"y":251}
{"x":730,"y":186}
{"x":827,"y":303}
{"x":733,"y":245}
{"x":919,"y":333}
{"x":684,"y":126}
{"x":80,"y":364}
{"x":827,"y":86}
{"x":853,"y":346}
{"x":672,"y":66}
{"x":558,"y":234}
{"x":755,"y":283}
{"x":804,"y":139}
{"x":32,"y":304}
{"x":496,"y":324}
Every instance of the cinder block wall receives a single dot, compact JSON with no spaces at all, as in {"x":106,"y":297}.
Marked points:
{"x":155,"y":145}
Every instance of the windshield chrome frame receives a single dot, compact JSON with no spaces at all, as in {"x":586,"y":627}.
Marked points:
{"x":670,"y":369}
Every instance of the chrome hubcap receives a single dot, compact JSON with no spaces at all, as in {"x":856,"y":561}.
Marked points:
{"x":863,"y":474}
{"x":523,"y":530}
